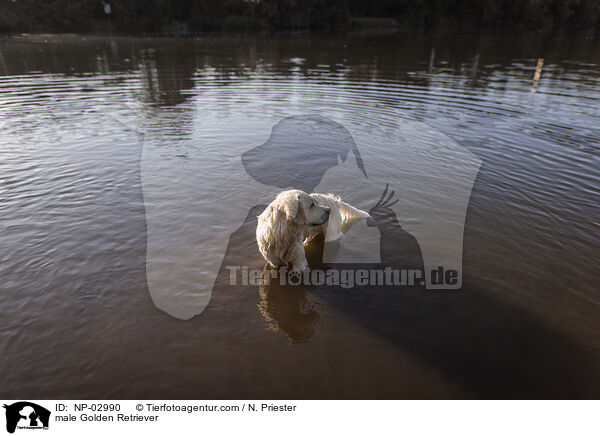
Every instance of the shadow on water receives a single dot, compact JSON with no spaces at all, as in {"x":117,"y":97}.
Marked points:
{"x":491,"y":348}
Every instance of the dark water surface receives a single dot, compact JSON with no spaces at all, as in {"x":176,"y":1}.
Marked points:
{"x":76,"y":316}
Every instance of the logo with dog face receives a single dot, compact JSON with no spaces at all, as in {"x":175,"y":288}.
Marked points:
{"x":414,"y":182}
{"x":26,"y":415}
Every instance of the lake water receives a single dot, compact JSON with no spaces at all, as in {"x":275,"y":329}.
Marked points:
{"x":102,"y":138}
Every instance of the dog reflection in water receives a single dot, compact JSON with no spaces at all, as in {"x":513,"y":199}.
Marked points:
{"x":294,"y":310}
{"x":289,"y":308}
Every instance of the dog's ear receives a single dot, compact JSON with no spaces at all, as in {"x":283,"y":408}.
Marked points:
{"x":289,"y":203}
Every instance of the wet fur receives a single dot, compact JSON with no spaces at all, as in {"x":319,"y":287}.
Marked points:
{"x":289,"y":222}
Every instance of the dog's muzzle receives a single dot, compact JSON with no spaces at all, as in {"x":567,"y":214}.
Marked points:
{"x":325,"y":218}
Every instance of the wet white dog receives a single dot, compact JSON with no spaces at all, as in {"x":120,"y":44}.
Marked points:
{"x":294,"y":218}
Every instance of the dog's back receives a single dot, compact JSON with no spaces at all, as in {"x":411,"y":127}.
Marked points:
{"x":343,"y":216}
{"x":347,"y":211}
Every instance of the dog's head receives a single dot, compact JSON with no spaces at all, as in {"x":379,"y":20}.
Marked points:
{"x":300,"y":208}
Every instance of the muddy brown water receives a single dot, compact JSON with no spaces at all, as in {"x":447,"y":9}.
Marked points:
{"x":77,"y":320}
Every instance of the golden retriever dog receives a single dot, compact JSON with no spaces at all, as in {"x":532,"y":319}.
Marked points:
{"x":294,"y":218}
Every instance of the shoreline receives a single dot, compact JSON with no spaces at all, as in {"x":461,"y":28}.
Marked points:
{"x":311,"y":34}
